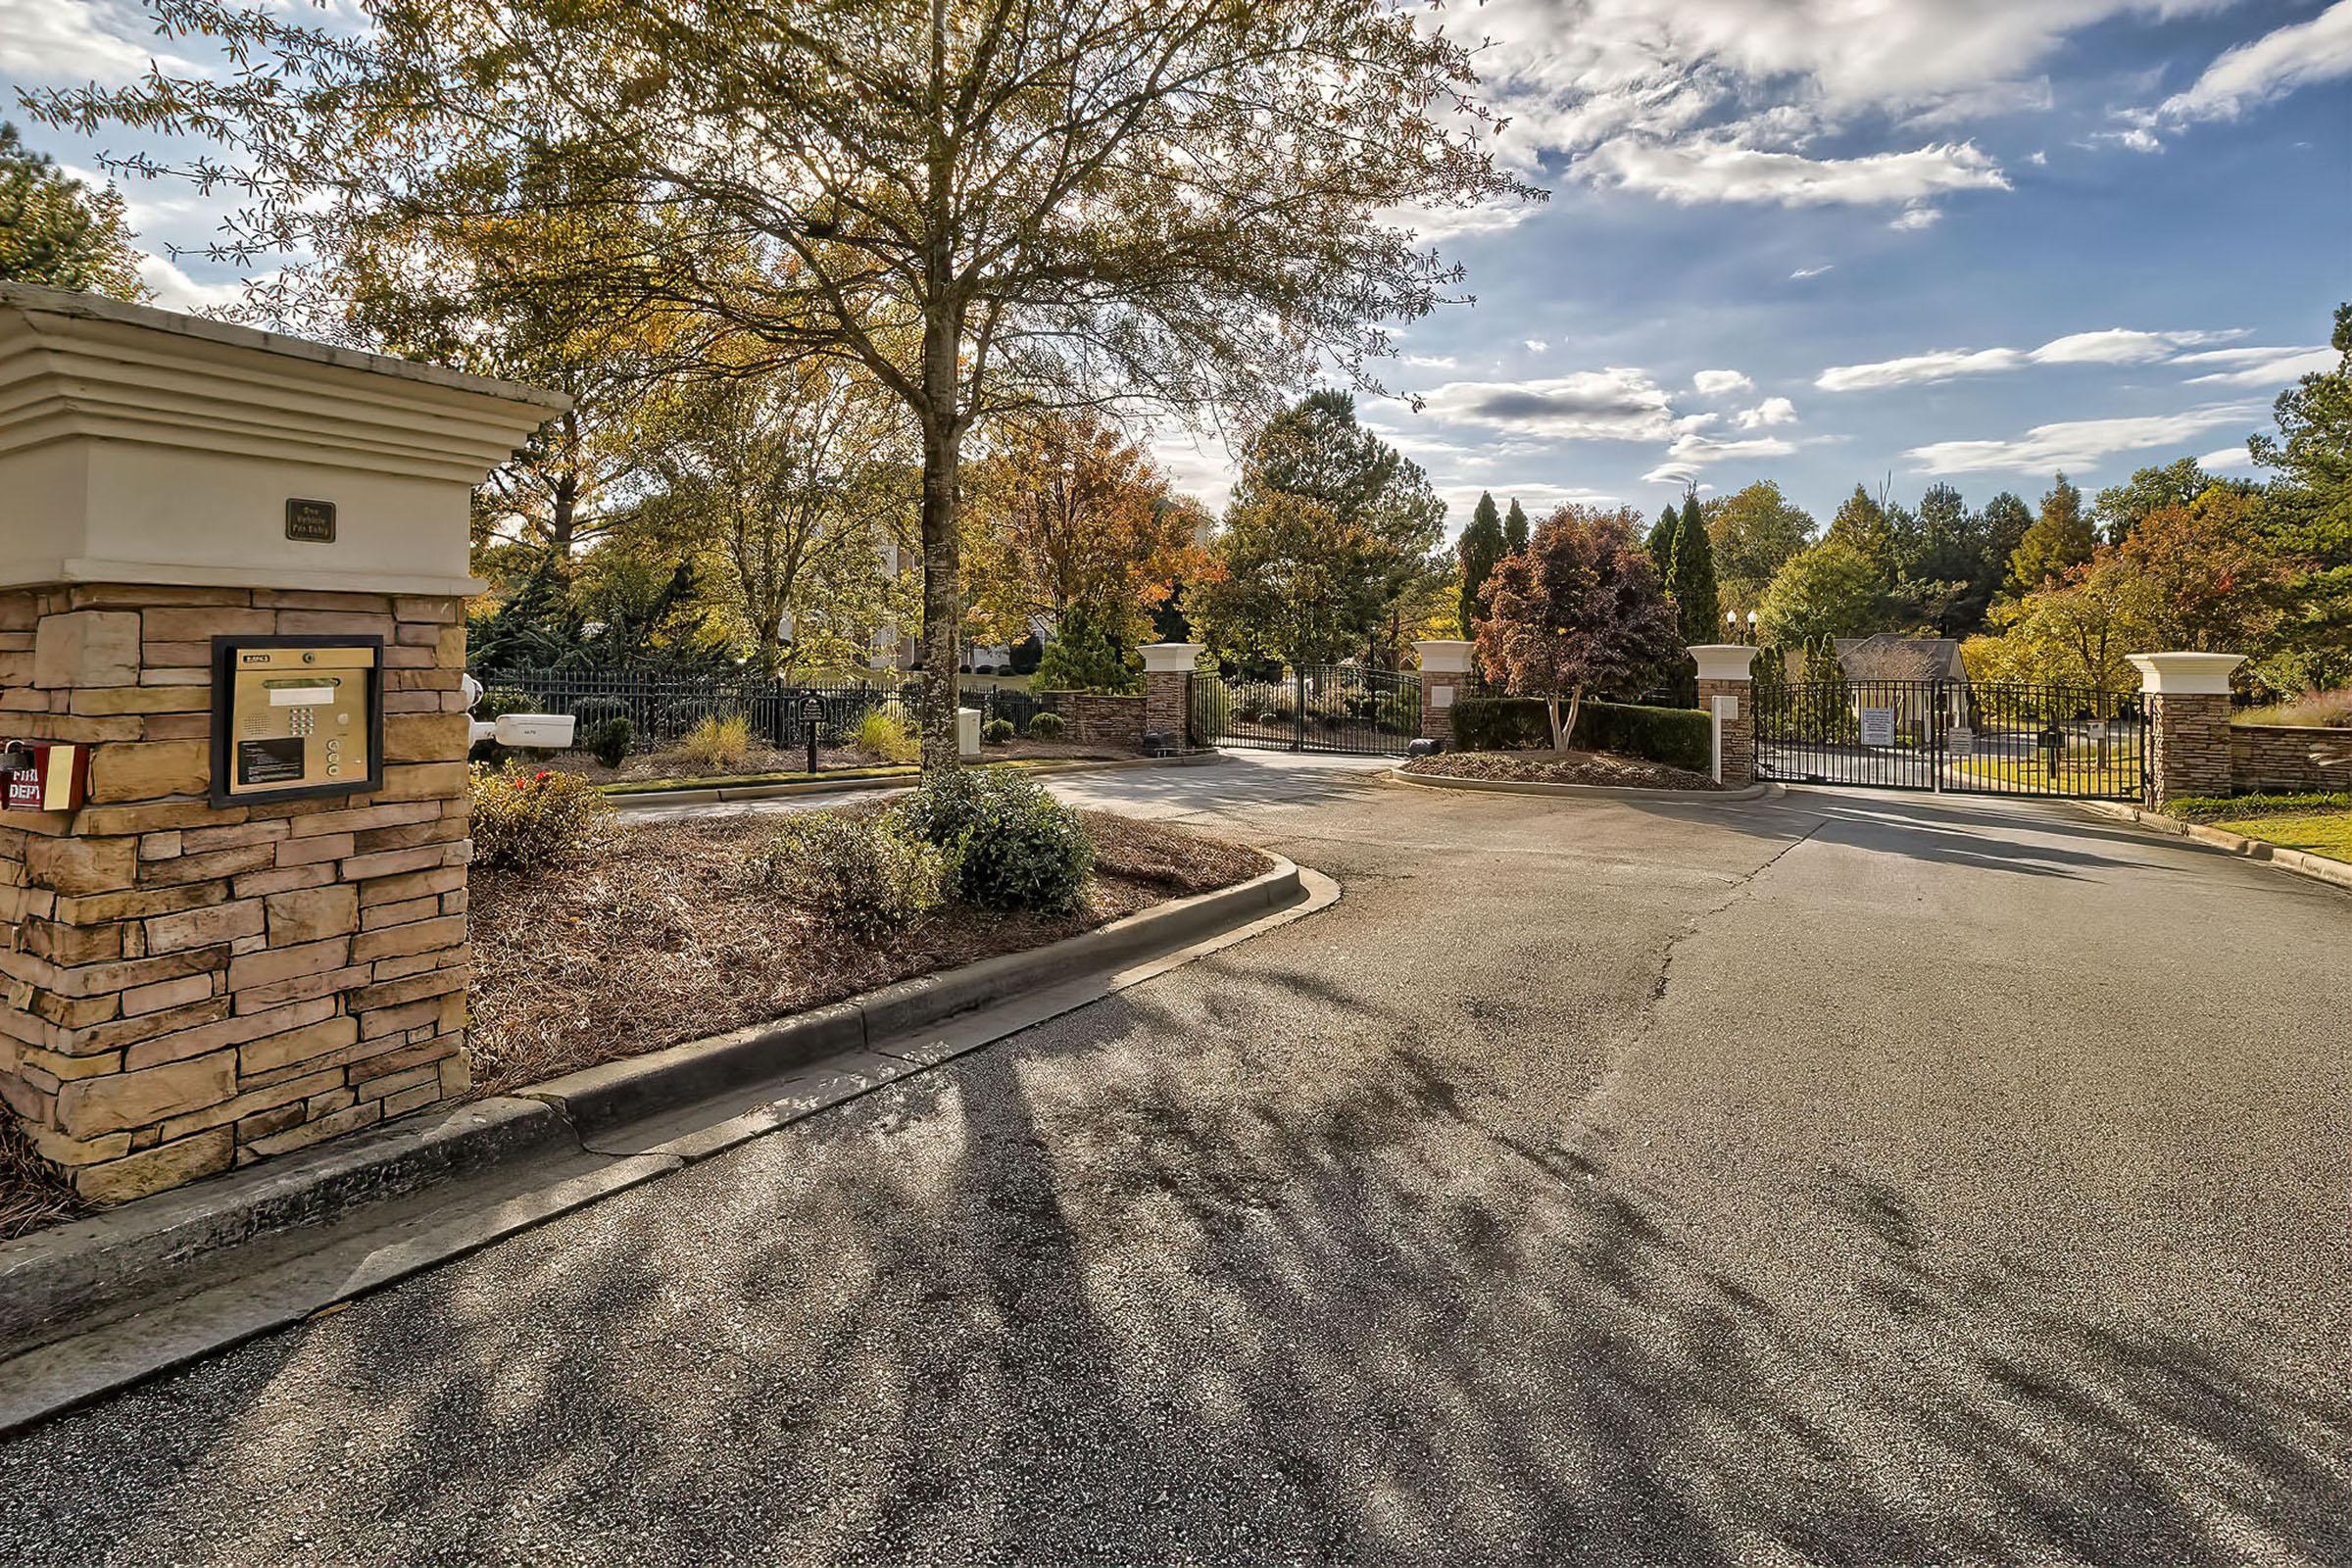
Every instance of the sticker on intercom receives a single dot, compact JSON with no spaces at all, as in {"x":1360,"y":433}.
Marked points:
{"x":272,"y":762}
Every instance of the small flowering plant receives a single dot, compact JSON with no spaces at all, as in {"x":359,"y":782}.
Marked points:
{"x":522,"y":821}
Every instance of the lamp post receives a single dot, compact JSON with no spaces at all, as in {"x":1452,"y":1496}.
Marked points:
{"x":1752,"y":626}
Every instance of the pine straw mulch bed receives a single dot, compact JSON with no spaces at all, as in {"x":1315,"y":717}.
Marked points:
{"x":31,"y":1193}
{"x":654,"y":937}
{"x":1561,"y":767}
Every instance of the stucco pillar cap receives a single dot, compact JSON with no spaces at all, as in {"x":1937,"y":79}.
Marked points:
{"x":2182,"y":674}
{"x":1724,"y":660}
{"x":1162,"y":658}
{"x":1444,"y":655}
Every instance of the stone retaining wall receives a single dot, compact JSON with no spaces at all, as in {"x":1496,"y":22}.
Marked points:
{"x":184,"y":988}
{"x":2285,"y":760}
{"x":1101,"y":718}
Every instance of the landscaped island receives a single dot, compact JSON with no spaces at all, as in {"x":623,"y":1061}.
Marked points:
{"x":632,"y":938}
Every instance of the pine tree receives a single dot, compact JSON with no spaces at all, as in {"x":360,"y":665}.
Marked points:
{"x":1863,"y":524}
{"x":1694,"y":598}
{"x":1661,"y":546}
{"x":1514,"y":529}
{"x":1481,"y":546}
{"x":2059,"y":538}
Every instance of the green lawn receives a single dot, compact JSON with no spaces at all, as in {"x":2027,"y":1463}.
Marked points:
{"x":2328,"y":833}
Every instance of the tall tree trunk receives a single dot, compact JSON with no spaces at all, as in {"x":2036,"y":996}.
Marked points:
{"x":943,"y":603}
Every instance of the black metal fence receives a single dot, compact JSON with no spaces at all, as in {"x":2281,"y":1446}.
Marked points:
{"x":1319,"y":708}
{"x":1955,"y":736}
{"x":662,"y":710}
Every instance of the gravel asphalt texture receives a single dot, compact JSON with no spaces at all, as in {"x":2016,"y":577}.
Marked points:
{"x":1837,"y":1178}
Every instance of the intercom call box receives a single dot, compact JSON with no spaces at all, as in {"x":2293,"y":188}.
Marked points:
{"x":295,"y":716}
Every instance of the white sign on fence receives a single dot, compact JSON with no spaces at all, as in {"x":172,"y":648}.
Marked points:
{"x":1960,"y":742}
{"x":1877,"y":726}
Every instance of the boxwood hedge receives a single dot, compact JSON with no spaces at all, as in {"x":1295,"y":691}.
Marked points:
{"x":1680,"y":737}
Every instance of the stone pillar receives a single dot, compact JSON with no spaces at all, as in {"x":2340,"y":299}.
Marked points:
{"x":1168,"y":689}
{"x":1726,"y":673}
{"x":2187,"y":696}
{"x":1444,"y":674}
{"x":187,"y":987}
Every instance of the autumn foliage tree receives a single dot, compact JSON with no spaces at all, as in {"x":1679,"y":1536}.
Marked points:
{"x":1066,"y":513}
{"x":1580,"y":607}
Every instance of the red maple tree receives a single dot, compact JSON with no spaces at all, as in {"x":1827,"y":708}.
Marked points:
{"x":1578,"y":607}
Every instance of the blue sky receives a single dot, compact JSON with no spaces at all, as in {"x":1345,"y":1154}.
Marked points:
{"x":1816,"y":241}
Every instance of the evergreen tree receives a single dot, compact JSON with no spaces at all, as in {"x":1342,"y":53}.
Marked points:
{"x":1695,"y":599}
{"x":1481,"y":546}
{"x":1661,"y":546}
{"x":1864,"y":524}
{"x":2311,"y":502}
{"x":2059,"y":538}
{"x":1082,"y":657}
{"x":1514,"y":529}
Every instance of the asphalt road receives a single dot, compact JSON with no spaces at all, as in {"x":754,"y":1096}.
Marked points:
{"x":1841,"y":1178}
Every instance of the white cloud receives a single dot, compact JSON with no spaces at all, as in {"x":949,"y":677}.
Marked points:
{"x":1723,"y":172}
{"x":2075,"y":444}
{"x":1715,"y":383}
{"x":1432,"y":224}
{"x":2038,"y":158}
{"x":79,"y":40}
{"x":2261,"y":367}
{"x":2139,"y":139}
{"x":2227,"y":460}
{"x":1695,"y":450}
{"x":175,"y":290}
{"x":2271,"y":66}
{"x":1772,"y":410}
{"x":2114,"y":345}
{"x":1612,"y":405}
{"x":1536,"y":345}
{"x":1804,"y":273}
{"x":1432,"y":362}
{"x":1912,"y":218}
{"x":1940,"y":364}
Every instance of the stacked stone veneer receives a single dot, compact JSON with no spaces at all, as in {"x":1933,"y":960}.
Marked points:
{"x":1101,"y":718}
{"x":2188,"y":746}
{"x":1168,"y":704}
{"x":2283,"y":759}
{"x":189,"y":988}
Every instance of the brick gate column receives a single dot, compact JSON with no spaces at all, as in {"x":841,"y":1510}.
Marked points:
{"x":1168,"y":689}
{"x":2189,"y":723}
{"x":1445,"y":672}
{"x":191,"y":979}
{"x":1725,"y":675}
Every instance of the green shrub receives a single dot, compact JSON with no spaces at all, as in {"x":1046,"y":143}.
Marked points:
{"x":2240,"y":807}
{"x":1046,"y":727}
{"x":526,"y":820}
{"x":1680,"y":737}
{"x":1500,"y":724}
{"x":499,"y":701}
{"x":996,"y":731}
{"x":608,"y":741}
{"x":1013,"y":846}
{"x":2313,"y":710}
{"x":720,"y":740}
{"x":884,"y":735}
{"x":864,"y":875}
{"x":1083,"y":658}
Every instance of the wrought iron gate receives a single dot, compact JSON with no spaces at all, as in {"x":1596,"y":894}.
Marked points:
{"x":1954,"y":736}
{"x":1319,"y":708}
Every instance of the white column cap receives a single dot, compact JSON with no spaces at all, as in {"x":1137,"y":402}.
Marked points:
{"x":1724,"y":660}
{"x":1161,"y":658}
{"x":2181,"y":674}
{"x":1444,"y":655}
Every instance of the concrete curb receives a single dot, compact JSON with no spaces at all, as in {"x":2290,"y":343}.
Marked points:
{"x":1512,"y":786}
{"x":95,"y":1285}
{"x":2318,"y":867}
{"x":612,"y":1093}
{"x":639,"y":800}
{"x":71,"y":1271}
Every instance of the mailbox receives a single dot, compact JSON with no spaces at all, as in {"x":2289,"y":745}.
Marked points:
{"x":296,"y":717}
{"x":44,"y":775}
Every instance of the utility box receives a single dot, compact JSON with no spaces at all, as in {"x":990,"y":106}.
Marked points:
{"x":296,"y":717}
